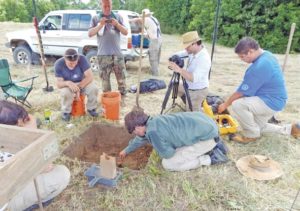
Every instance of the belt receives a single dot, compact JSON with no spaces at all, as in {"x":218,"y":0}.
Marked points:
{"x":196,"y":89}
{"x":112,"y":56}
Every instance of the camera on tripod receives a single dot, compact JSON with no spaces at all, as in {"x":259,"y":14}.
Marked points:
{"x":177,"y":60}
{"x":173,"y":86}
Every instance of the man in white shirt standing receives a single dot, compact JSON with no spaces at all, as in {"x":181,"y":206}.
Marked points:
{"x":152,"y":27}
{"x":197,"y":69}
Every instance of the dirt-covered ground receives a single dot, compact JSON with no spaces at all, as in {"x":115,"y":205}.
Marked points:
{"x":208,"y":188}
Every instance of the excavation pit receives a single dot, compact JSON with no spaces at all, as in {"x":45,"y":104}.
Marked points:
{"x":110,"y":139}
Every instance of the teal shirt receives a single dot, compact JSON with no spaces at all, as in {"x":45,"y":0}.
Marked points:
{"x":168,"y":132}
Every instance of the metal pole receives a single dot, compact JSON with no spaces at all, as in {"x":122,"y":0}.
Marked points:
{"x":215,"y":33}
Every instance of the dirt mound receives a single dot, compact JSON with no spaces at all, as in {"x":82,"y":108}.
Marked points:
{"x":110,"y":139}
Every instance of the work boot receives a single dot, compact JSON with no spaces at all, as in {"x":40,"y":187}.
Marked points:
{"x":93,"y":113}
{"x":217,"y":156}
{"x":66,"y":117}
{"x":295,"y":130}
{"x":221,"y":145}
{"x":241,"y":139}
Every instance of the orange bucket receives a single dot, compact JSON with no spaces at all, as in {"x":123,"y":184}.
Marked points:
{"x":78,"y":106}
{"x":111,"y":105}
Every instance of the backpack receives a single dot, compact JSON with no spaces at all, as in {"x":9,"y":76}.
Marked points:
{"x":149,"y":85}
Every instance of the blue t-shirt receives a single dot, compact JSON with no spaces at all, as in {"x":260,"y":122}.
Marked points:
{"x":264,"y":79}
{"x":76,"y":75}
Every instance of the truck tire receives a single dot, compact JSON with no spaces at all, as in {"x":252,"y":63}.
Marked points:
{"x":92,"y":58}
{"x":22,"y":55}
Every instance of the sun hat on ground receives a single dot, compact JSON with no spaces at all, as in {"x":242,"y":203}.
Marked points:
{"x":190,"y":38}
{"x":147,"y":12}
{"x":259,"y":167}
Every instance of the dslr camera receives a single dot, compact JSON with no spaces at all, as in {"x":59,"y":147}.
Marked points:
{"x":177,"y":60}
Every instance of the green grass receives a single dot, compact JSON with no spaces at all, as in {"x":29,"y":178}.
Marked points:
{"x":219,"y":187}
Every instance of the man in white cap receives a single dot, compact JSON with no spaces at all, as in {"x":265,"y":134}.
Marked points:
{"x":196,"y":71}
{"x":152,"y":27}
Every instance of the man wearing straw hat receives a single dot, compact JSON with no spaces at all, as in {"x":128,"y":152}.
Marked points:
{"x":197,"y":69}
{"x":152,"y":27}
{"x":184,"y":140}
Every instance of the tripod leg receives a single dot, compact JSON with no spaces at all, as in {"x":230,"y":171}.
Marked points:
{"x":187,"y":94}
{"x":170,"y":88}
{"x":175,"y":87}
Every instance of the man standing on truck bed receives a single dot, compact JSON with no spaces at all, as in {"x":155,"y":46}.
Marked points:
{"x":108,"y":26}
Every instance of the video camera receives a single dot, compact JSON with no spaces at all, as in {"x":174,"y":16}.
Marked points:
{"x":177,"y":60}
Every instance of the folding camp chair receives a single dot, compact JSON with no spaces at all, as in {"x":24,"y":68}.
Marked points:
{"x":10,"y":88}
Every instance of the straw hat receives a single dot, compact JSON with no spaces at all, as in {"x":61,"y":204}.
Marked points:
{"x":259,"y":167}
{"x":190,"y":38}
{"x":147,"y":12}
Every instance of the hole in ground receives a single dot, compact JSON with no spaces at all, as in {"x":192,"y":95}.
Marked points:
{"x":110,"y":139}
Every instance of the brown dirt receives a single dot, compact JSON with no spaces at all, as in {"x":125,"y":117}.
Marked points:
{"x":110,"y":139}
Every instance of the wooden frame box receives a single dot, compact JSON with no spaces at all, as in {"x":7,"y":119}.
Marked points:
{"x":33,"y":149}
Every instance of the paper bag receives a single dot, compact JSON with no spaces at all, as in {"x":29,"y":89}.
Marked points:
{"x":108,"y":166}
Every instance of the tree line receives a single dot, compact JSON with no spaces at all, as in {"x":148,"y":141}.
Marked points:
{"x":268,"y":21}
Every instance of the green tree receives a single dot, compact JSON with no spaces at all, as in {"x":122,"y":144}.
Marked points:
{"x":173,"y":15}
{"x":11,"y":10}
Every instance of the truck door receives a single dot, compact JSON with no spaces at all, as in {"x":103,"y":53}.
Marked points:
{"x":51,"y":32}
{"x":75,"y":29}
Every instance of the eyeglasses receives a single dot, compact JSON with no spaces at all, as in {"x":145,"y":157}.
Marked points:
{"x":73,"y":57}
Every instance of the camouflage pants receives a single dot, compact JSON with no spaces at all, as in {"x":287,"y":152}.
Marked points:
{"x":108,"y":64}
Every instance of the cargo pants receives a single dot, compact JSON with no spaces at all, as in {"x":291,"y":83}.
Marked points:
{"x":50,"y":184}
{"x":67,"y":97}
{"x":154,"y":55}
{"x":196,"y":96}
{"x":253,"y":115}
{"x":190,"y":157}
{"x":108,"y":64}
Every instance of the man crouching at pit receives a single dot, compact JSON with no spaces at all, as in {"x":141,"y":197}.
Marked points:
{"x":184,"y":140}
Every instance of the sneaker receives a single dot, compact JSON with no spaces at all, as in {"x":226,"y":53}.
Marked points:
{"x":66,"y":117}
{"x":93,"y":113}
{"x":217,"y":156}
{"x":221,"y":145}
{"x":295,"y":130}
{"x":241,"y":139}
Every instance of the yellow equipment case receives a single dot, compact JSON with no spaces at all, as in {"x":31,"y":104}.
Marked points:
{"x":225,"y":122}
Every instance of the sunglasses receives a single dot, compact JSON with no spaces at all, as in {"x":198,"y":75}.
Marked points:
{"x":73,"y":57}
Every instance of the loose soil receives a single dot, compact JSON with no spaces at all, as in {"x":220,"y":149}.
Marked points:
{"x":109,"y":139}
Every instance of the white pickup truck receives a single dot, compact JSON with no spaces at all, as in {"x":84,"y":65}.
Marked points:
{"x":63,"y":29}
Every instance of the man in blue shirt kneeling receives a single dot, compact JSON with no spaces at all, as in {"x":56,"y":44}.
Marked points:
{"x":261,"y":94}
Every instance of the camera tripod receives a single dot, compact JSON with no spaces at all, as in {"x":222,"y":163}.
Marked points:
{"x":173,"y":86}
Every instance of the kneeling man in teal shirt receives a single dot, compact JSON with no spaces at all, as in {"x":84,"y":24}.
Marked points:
{"x":184,"y":140}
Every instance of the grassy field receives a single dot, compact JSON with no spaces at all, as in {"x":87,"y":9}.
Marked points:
{"x":209,"y":188}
